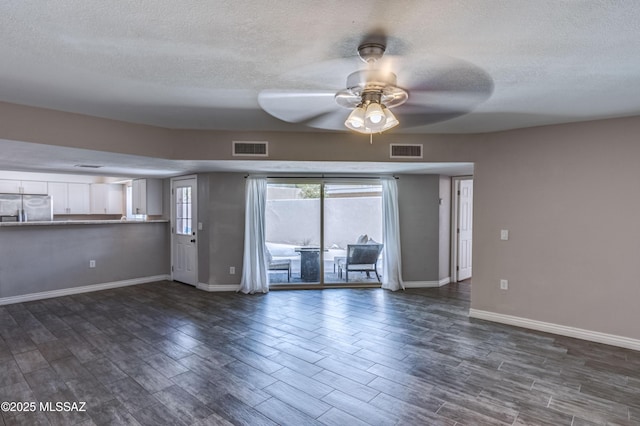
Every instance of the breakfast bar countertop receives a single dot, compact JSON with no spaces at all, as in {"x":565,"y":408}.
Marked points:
{"x":80,"y":222}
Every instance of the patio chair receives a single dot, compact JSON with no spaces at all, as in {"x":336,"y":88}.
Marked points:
{"x":279,"y":265}
{"x":362,"y":239}
{"x":360,"y":258}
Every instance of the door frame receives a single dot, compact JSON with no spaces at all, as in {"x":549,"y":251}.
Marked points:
{"x":455,"y":222}
{"x":196,"y":223}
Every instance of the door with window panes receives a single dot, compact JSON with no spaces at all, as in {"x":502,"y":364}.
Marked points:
{"x":184,"y":236}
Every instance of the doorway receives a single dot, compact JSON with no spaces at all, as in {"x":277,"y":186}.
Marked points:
{"x":184,"y":224}
{"x":462,"y":231}
{"x":312,"y":223}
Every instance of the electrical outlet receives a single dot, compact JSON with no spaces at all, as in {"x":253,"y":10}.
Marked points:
{"x":504,"y":234}
{"x":232,"y":270}
{"x":92,"y":264}
{"x":504,"y":285}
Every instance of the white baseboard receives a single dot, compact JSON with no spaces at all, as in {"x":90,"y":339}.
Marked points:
{"x":563,"y":330}
{"x":76,"y":290}
{"x":427,"y":284}
{"x":218,"y":287}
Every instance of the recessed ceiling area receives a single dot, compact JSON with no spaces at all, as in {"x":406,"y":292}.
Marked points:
{"x":30,"y":157}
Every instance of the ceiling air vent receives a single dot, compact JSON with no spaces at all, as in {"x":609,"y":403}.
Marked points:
{"x":88,"y":166}
{"x":406,"y":151}
{"x":251,"y":149}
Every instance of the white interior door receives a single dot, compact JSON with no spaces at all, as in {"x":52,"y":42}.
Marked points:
{"x":184,"y":236}
{"x":465,"y":228}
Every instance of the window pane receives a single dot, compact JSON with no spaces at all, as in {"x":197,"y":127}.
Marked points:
{"x":293,"y":232}
{"x":183,"y":210}
{"x":352,"y":215}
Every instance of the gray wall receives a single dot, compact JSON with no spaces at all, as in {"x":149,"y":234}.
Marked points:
{"x":419,"y":218}
{"x":570,"y":198}
{"x":225,"y":217}
{"x":45,"y":258}
{"x":567,"y":193}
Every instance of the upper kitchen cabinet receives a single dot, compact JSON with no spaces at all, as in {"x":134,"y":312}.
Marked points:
{"x":23,"y":187}
{"x":146,"y":196}
{"x":106,"y":198}
{"x":70,"y":198}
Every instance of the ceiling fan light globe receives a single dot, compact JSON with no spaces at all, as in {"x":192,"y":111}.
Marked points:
{"x":391,"y":120}
{"x":389,"y":126}
{"x":363,"y":130}
{"x":374,"y":117}
{"x":355,"y":120}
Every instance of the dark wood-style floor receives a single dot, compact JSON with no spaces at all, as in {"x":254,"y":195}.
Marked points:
{"x":166,"y":353}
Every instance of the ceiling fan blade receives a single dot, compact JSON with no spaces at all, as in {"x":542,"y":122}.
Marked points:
{"x":445,"y":99}
{"x":333,"y":120}
{"x":415,"y":116}
{"x":326,"y":75}
{"x":456,"y":76}
{"x":425,"y":117}
{"x":295,"y":106}
{"x":446,"y":89}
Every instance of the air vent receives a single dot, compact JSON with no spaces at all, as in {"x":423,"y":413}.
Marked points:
{"x":251,"y":149}
{"x":87,"y":166}
{"x":406,"y":151}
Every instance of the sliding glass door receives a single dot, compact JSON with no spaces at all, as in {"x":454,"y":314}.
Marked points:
{"x":352,"y":218}
{"x":316,"y":230}
{"x":293,"y":232}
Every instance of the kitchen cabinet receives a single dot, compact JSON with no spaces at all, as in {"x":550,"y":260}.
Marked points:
{"x":146,"y":196}
{"x":23,"y":187}
{"x":70,"y":198}
{"x":10,"y":186}
{"x":106,"y":198}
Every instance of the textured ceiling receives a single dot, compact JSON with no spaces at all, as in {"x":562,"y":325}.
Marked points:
{"x":203,"y":64}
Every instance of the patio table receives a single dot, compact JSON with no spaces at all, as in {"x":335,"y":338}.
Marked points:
{"x":309,"y":263}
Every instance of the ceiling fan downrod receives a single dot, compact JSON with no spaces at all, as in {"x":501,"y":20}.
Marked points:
{"x":371,"y":52}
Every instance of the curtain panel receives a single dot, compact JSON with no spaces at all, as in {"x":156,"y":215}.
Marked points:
{"x":391,"y":255}
{"x":254,"y":265}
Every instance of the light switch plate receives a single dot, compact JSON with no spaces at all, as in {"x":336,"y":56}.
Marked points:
{"x":504,"y":284}
{"x":504,"y":234}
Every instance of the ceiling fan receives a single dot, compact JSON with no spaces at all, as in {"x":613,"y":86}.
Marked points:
{"x":383,"y":92}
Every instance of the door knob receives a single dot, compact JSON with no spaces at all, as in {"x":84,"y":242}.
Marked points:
{"x":193,"y":241}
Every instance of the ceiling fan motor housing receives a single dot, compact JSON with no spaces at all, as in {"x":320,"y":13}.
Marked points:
{"x":371,"y":85}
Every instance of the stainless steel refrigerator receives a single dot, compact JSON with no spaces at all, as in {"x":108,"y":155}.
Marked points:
{"x":25,"y":208}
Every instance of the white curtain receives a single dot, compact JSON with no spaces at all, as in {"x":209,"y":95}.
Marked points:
{"x":254,"y":266}
{"x":391,"y":256}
